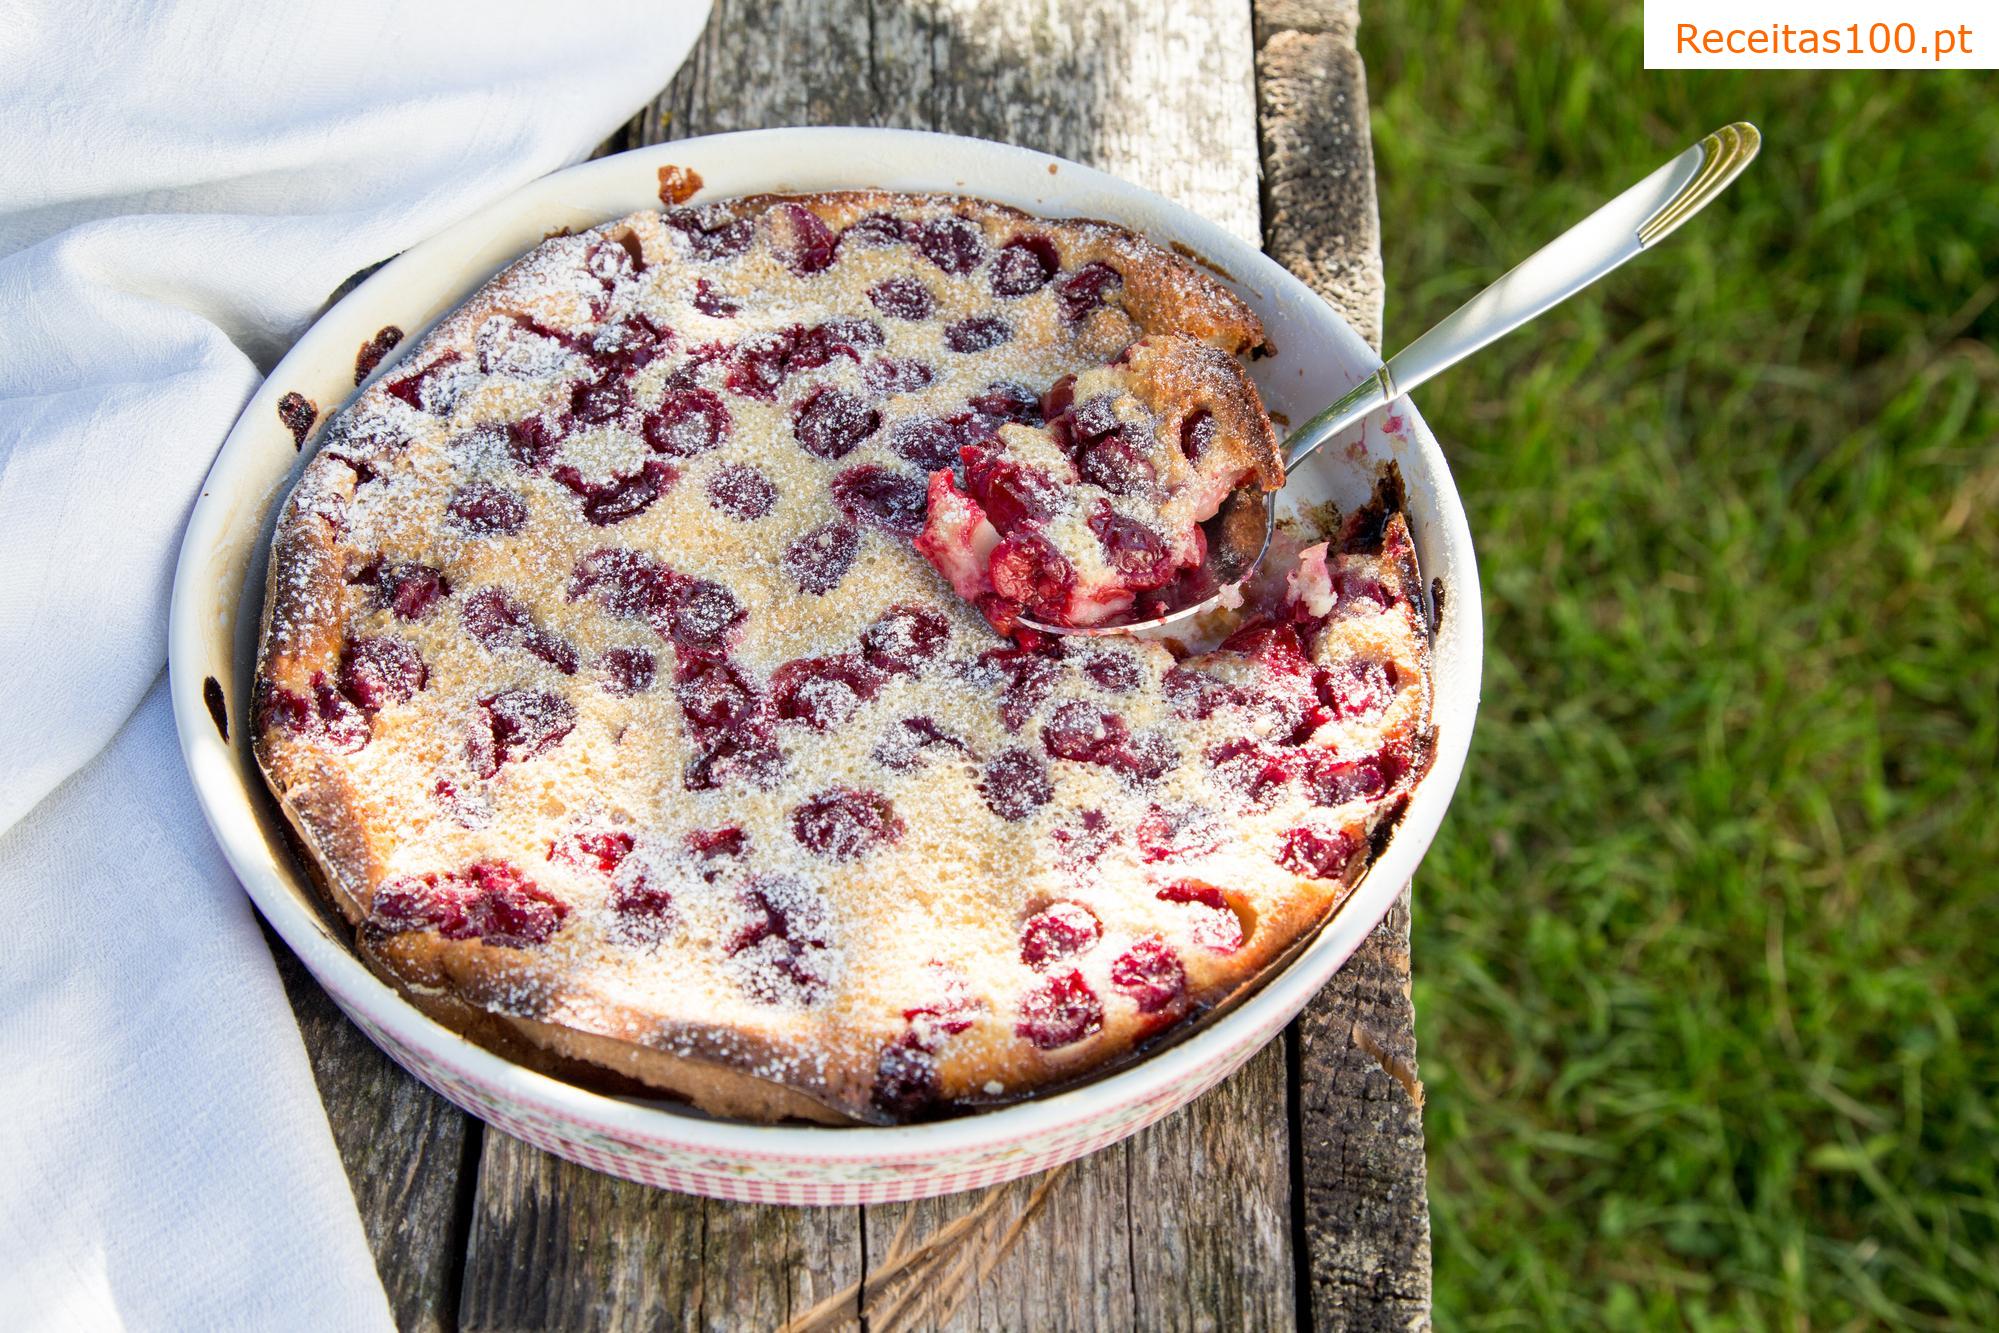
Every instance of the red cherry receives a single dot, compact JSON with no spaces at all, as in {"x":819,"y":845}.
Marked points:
{"x":1197,"y":434}
{"x":980,"y":333}
{"x":407,"y":589}
{"x":742,"y":492}
{"x":813,"y":244}
{"x":712,"y":232}
{"x":1357,"y":691}
{"x":375,"y":673}
{"x":1058,"y":931}
{"x":1151,"y":974}
{"x":1216,"y":926}
{"x":1084,"y":733}
{"x":1025,"y":264}
{"x":1084,"y":290}
{"x":954,"y":244}
{"x":903,"y":638}
{"x":822,"y":692}
{"x":517,"y":725}
{"x":1027,"y":568}
{"x":498,"y":621}
{"x":882,"y":497}
{"x":687,"y":422}
{"x":1016,"y":784}
{"x":842,"y":823}
{"x":891,"y":375}
{"x":902,"y":298}
{"x":625,"y":495}
{"x":818,"y":561}
{"x":1059,"y":1011}
{"x":627,"y":671}
{"x":829,"y":423}
{"x":487,"y":511}
{"x":602,"y":850}
{"x":875,"y":231}
{"x":1318,"y":853}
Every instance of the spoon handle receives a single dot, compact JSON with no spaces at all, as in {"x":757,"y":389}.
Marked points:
{"x":1636,"y":220}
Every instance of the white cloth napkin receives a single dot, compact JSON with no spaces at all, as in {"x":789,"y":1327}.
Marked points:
{"x":182,"y":185}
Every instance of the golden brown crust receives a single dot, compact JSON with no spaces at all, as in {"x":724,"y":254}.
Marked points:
{"x":366,"y":820}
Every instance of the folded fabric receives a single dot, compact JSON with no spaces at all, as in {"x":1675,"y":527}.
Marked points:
{"x":182,"y":186}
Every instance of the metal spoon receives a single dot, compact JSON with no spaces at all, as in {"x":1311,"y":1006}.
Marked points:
{"x":1635,"y":221}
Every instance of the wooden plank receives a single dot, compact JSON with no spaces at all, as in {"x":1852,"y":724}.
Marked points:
{"x":1363,"y":1210}
{"x":405,"y":1149}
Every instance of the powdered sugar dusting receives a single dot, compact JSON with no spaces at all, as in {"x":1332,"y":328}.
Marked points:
{"x":745,"y":777}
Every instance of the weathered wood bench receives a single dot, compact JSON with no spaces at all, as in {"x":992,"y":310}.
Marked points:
{"x":1291,"y":1195}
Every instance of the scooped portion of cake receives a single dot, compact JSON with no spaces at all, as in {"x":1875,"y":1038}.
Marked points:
{"x":1095,"y":516}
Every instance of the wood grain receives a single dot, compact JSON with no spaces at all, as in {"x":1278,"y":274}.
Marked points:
{"x":406,"y":1151}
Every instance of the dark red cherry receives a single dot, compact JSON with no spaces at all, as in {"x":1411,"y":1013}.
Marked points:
{"x":712,"y":232}
{"x":1112,"y":671}
{"x":875,"y":231}
{"x":629,"y":585}
{"x":375,"y":673}
{"x":710,"y":844}
{"x":813,"y":244}
{"x":892,"y":375}
{"x":624,"y":495}
{"x":1195,"y":694}
{"x":818,"y":561}
{"x":602,"y":850}
{"x":1319,"y":853}
{"x":906,"y":1081}
{"x":822,"y":692}
{"x":407,"y":589}
{"x":497,"y":620}
{"x":629,"y":346}
{"x":980,"y":333}
{"x":1083,"y":732}
{"x":1057,"y":400}
{"x":1197,"y":434}
{"x":931,"y":442}
{"x":1025,"y":678}
{"x":871,"y":494}
{"x":1247,"y":770}
{"x":627,"y":671}
{"x":1010,"y":493}
{"x":612,"y":260}
{"x":1007,"y":400}
{"x":843,"y":823}
{"x":1058,"y":931}
{"x":714,"y":696}
{"x":903,"y":638}
{"x":1084,"y":290}
{"x":533,"y":444}
{"x":432,"y":388}
{"x":516,"y":725}
{"x":596,"y":402}
{"x":902,"y":298}
{"x":741,"y":492}
{"x":1059,"y":1011}
{"x":1358,"y":690}
{"x":1016,"y":784}
{"x":954,"y":244}
{"x":687,"y":422}
{"x":711,"y":301}
{"x":830,"y":423}
{"x":1025,"y":264}
{"x":1151,"y":974}
{"x":487,"y":511}
{"x":1027,"y":568}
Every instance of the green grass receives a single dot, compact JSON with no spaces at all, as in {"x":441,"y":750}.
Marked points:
{"x":1708,"y":950}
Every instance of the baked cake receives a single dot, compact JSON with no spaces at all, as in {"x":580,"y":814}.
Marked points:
{"x":618,"y":709}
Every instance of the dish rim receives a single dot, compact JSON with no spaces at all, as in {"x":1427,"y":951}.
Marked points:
{"x":215,"y":766}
